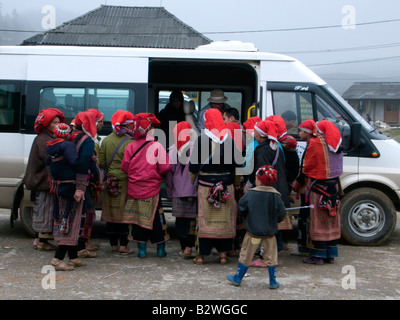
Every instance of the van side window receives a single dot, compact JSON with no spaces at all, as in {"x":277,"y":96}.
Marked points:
{"x":69,"y":100}
{"x":109,"y":101}
{"x":294,"y":107}
{"x":326,"y":112}
{"x":301,"y":106}
{"x":74,"y":100}
{"x":10,"y":100}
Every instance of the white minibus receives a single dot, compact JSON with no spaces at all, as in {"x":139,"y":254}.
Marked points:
{"x":74,"y":79}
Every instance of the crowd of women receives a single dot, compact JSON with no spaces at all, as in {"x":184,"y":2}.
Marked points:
{"x":224,"y":181}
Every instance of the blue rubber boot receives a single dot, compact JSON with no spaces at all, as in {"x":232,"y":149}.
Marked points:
{"x":142,"y":249}
{"x":161,"y":250}
{"x":273,"y":284}
{"x":236,"y":279}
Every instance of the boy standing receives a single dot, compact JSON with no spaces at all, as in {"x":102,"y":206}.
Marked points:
{"x":263,"y":209}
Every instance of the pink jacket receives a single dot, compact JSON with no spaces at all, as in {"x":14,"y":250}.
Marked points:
{"x":146,"y":170}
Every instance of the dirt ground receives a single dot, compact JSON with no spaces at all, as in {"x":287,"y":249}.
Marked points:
{"x":359,"y":273}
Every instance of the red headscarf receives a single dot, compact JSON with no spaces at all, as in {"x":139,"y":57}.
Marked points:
{"x":215,"y":127}
{"x":248,"y":125}
{"x":182,"y":134}
{"x":143,"y":123}
{"x":331,"y":134}
{"x":87,"y":122}
{"x":98,"y":116}
{"x":45,"y":117}
{"x":287,"y":141}
{"x":279,"y":124}
{"x":267,"y":129}
{"x":308,"y":126}
{"x":121,"y":118}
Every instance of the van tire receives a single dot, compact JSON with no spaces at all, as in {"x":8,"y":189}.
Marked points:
{"x":368,"y":217}
{"x":26,"y":216}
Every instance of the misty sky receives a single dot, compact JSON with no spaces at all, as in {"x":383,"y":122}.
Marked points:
{"x":373,"y":46}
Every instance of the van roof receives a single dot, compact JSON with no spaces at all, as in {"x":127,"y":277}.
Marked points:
{"x":201,"y":53}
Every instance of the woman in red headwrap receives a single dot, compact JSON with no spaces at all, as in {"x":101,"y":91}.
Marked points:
{"x":99,"y":118}
{"x":213,"y":170}
{"x":36,"y":177}
{"x":268,"y":152}
{"x":288,"y":145}
{"x":323,"y":165}
{"x":63,"y":156}
{"x":146,"y":163}
{"x":306,"y":133}
{"x":95,"y":186}
{"x":251,"y":143}
{"x":87,"y":172}
{"x":180,"y":188}
{"x":110,"y":157}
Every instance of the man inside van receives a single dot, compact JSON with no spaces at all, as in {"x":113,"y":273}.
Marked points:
{"x":173,"y":111}
{"x":216,"y":100}
{"x":290,"y":121}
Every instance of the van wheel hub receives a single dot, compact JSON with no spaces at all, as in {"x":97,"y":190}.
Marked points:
{"x":366,"y":218}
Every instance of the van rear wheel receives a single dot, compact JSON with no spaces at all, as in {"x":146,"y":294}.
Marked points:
{"x":26,"y":214}
{"x":368,"y":217}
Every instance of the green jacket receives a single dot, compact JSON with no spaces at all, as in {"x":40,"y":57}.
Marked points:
{"x":108,"y":146}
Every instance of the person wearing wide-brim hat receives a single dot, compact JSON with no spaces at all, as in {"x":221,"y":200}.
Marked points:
{"x":216,"y":100}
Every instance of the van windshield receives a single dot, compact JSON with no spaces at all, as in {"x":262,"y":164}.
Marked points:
{"x":350,"y":109}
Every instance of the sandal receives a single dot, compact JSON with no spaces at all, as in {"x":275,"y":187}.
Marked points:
{"x":35,"y":243}
{"x":77,"y":263}
{"x":187,"y":254}
{"x":86,"y":254}
{"x":257,"y":263}
{"x":115,"y":248}
{"x":198,"y":260}
{"x":45,"y":246}
{"x":91,"y":246}
{"x":60,"y":265}
{"x":124,"y":250}
{"x":222,"y":258}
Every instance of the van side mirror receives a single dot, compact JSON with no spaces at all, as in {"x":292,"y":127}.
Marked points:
{"x":350,"y":135}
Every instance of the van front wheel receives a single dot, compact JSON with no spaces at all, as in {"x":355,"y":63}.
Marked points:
{"x":368,"y":217}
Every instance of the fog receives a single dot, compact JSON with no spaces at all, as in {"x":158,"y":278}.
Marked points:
{"x":342,"y":41}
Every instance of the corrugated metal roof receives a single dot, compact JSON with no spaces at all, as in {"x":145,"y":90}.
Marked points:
{"x":117,"y":26}
{"x":373,"y":90}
